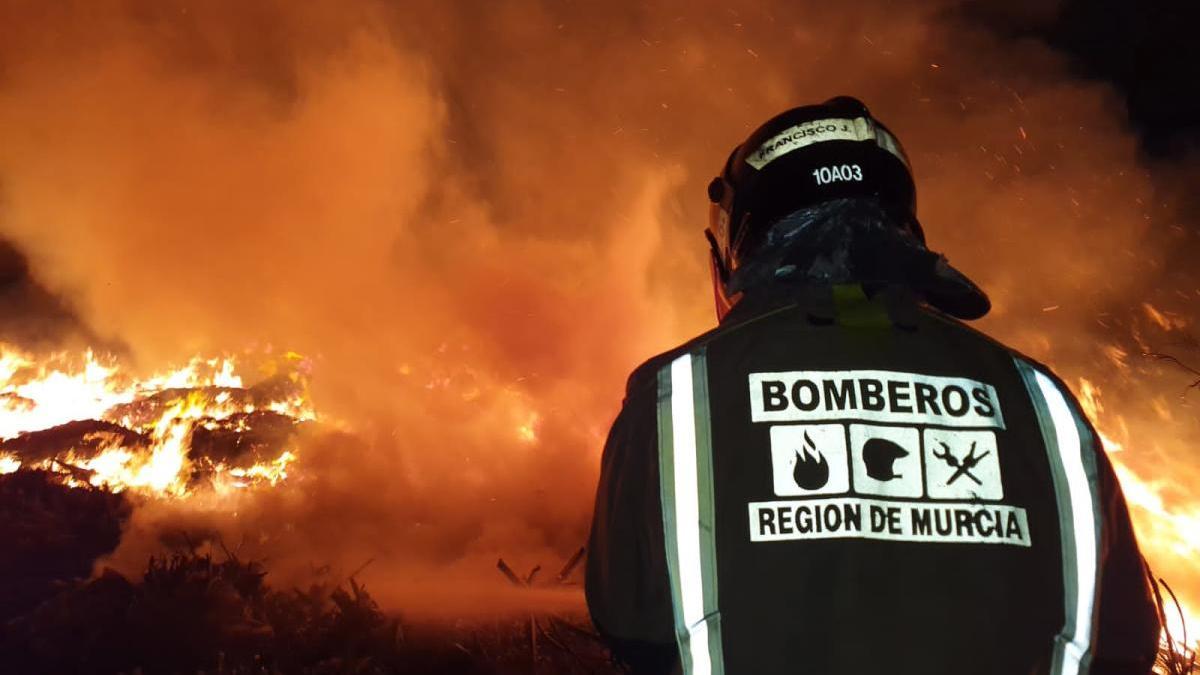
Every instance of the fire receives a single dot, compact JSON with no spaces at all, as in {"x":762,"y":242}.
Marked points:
{"x":143,"y":431}
{"x":1089,"y":398}
{"x":47,"y":393}
{"x":1164,"y":320}
{"x":1166,"y":529}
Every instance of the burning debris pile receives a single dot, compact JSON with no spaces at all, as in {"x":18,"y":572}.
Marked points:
{"x":81,"y":444}
{"x":199,"y":426}
{"x":85,"y":447}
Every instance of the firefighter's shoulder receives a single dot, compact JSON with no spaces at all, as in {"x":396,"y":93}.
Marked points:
{"x":964,"y":330}
{"x":933,"y":316}
{"x":644,"y":378}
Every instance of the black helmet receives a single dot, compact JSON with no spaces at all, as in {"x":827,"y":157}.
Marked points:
{"x":801,"y":157}
{"x":804,"y":157}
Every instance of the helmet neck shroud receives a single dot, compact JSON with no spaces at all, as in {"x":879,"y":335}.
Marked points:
{"x":853,"y":240}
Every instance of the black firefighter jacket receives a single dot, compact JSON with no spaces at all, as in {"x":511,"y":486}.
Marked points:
{"x":832,"y":484}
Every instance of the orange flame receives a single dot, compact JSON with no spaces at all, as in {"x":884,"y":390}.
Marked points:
{"x":38,"y":394}
{"x":1165,"y":530}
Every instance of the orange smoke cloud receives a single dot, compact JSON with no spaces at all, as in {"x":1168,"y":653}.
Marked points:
{"x":478,"y":217}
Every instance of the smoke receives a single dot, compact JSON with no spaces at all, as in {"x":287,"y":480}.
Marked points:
{"x":477,"y":217}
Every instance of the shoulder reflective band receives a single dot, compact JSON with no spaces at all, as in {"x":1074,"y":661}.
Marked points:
{"x":686,"y":489}
{"x":821,"y":131}
{"x":1070,"y":448}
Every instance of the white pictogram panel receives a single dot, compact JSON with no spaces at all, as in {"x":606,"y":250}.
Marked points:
{"x":962,"y":465}
{"x":809,"y":459}
{"x":886,"y":461}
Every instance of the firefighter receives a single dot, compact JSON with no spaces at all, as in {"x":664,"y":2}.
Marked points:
{"x":842,"y":477}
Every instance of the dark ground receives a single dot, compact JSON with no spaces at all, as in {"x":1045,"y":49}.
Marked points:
{"x":192,"y":613}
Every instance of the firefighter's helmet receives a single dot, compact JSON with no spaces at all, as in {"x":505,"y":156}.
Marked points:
{"x":822,"y":155}
{"x":799,"y":158}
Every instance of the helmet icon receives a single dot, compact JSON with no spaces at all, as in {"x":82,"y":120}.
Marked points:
{"x":879,"y":455}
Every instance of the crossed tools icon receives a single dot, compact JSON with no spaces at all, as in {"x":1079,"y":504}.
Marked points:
{"x":963,"y":467}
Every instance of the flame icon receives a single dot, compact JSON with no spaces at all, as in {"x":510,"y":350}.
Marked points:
{"x":811,"y":471}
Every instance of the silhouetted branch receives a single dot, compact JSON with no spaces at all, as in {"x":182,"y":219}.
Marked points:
{"x":1167,"y":357}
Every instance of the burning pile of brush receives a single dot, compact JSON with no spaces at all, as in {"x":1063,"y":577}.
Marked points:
{"x":196,"y":427}
{"x":82,"y":443}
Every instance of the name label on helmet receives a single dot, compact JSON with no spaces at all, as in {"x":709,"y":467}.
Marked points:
{"x":822,"y":131}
